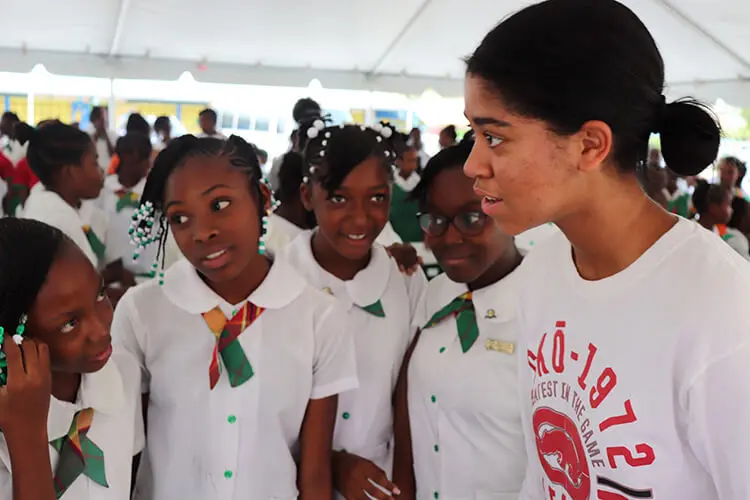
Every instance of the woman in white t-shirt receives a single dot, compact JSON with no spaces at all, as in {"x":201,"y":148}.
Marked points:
{"x":242,"y":360}
{"x":633,"y":368}
{"x":713,"y":204}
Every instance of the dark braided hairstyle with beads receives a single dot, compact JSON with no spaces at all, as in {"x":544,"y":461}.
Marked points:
{"x":27,"y":250}
{"x":331,"y":153}
{"x":240,"y":154}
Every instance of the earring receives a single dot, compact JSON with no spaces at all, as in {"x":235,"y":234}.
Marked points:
{"x":263,"y":233}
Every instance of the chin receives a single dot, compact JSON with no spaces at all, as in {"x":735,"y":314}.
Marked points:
{"x":460,"y":274}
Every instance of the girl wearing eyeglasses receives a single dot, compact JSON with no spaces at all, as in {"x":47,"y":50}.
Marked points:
{"x":458,"y":432}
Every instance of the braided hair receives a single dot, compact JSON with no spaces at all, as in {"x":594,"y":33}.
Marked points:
{"x":150,"y":213}
{"x":27,"y":250}
{"x":331,"y":153}
{"x":52,"y":146}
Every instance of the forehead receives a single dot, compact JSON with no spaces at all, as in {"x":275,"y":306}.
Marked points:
{"x":451,"y":189}
{"x":482,"y":101}
{"x":202,"y":172}
{"x":70,"y":281}
{"x":368,"y":173}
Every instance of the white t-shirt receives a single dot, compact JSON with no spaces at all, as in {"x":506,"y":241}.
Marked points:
{"x":117,"y":428}
{"x":118,"y":204}
{"x":464,"y":413}
{"x":48,"y":207}
{"x":533,"y":237}
{"x":635,"y":385}
{"x":364,"y":425}
{"x":230,"y":443}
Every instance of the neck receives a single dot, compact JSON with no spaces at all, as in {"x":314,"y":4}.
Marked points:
{"x":506,"y":264}
{"x":127,"y":180}
{"x":707,"y":221}
{"x":404,"y":175}
{"x":330,"y":260}
{"x":625,"y":224}
{"x":65,"y":386}
{"x":68,"y":197}
{"x":294,"y":213}
{"x":239,"y":288}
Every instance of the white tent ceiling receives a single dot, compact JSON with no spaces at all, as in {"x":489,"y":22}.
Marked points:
{"x":392,"y":45}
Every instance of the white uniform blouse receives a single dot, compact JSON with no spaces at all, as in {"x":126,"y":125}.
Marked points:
{"x":117,"y":428}
{"x":364,"y":425}
{"x":464,"y":410}
{"x":230,"y":443}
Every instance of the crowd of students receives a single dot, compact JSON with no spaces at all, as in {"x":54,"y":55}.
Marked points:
{"x":277,"y":339}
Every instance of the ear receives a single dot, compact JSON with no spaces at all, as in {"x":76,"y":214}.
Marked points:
{"x":596,"y":141}
{"x":305,"y":193}
{"x":265,"y":192}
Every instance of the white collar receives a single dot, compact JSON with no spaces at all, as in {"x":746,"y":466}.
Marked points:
{"x":185,"y":289}
{"x":496,"y":301}
{"x":103,"y":391}
{"x":409,"y":184}
{"x":367,"y":286}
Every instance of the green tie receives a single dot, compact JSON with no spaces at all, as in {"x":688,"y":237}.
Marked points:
{"x":94,"y":242}
{"x":462,"y":308}
{"x":376,"y":309}
{"x":78,"y":454}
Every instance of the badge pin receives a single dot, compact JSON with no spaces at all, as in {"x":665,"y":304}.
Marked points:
{"x":490,"y":314}
{"x":328,"y":290}
{"x":500,"y":346}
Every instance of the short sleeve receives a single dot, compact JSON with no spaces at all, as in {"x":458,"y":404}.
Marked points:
{"x":717,"y":423}
{"x":129,"y":335}
{"x":416,"y":287}
{"x":131,"y":379}
{"x":334,"y":366}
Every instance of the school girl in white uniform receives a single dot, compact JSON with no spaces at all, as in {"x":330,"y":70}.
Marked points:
{"x":64,"y":159}
{"x":55,"y":304}
{"x":119,"y":199}
{"x":242,"y":360}
{"x":347,"y":188}
{"x":633,"y":355}
{"x":464,"y":439}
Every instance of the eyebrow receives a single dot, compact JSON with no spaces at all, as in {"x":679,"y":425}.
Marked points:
{"x":204,"y":193}
{"x":486,"y":120}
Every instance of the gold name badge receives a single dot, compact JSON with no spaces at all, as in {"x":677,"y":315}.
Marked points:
{"x":500,"y":346}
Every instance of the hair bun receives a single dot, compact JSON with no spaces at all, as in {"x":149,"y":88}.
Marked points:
{"x":23,"y":132}
{"x":690,"y":136}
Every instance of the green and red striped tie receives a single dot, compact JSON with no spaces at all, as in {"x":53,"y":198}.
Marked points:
{"x":228,"y":345}
{"x":462,"y":307}
{"x":78,"y":454}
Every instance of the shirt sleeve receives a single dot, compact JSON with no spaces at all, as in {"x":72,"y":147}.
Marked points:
{"x":131,"y":378}
{"x":334,"y":366}
{"x":718,"y":417}
{"x":129,"y":335}
{"x":6,"y":479}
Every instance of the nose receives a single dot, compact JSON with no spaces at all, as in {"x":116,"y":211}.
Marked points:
{"x":359,"y":217}
{"x":100,"y":328}
{"x":477,"y":164}
{"x":203,"y":231}
{"x":452,"y":235}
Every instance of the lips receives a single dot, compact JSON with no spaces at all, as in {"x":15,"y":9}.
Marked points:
{"x":216,"y":259}
{"x":104,"y":355}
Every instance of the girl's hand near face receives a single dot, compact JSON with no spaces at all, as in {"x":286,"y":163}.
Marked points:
{"x":24,"y":405}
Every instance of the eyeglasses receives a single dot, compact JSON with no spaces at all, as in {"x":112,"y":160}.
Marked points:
{"x":467,"y":223}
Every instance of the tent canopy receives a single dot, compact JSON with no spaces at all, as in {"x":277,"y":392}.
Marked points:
{"x":391,"y":45}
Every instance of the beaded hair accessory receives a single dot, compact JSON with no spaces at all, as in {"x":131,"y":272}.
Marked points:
{"x":142,"y":234}
{"x":17,"y":338}
{"x":383,"y":130}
